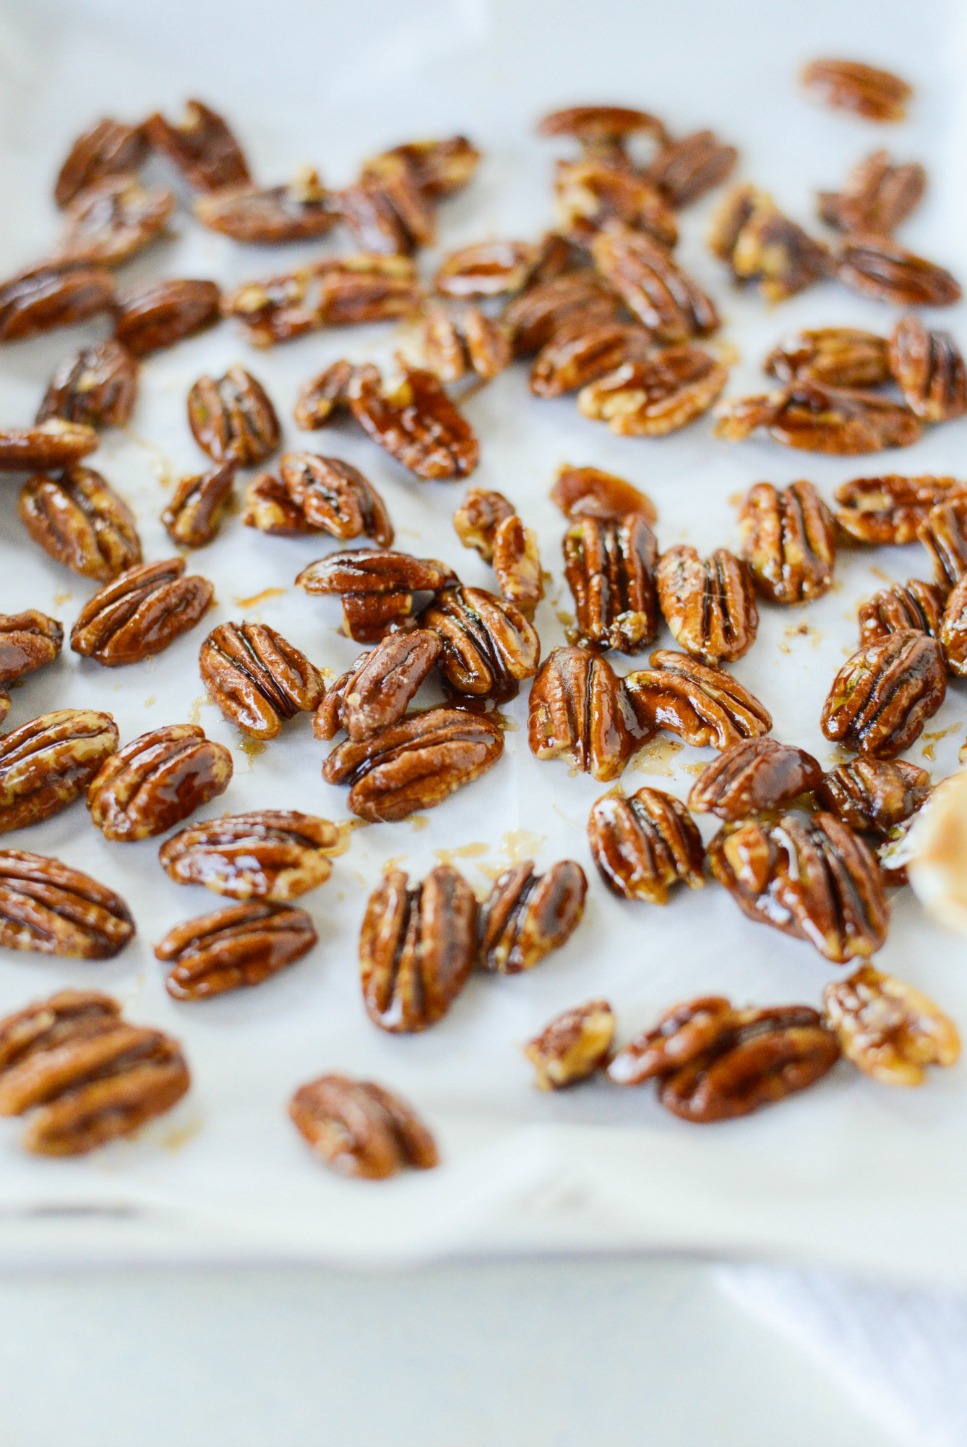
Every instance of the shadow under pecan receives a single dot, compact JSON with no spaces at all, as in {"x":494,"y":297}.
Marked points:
{"x":763,"y":246}
{"x":953,"y":629}
{"x":593,"y":192}
{"x":575,"y":357}
{"x":564,"y":305}
{"x":359,"y":1129}
{"x":157,"y":314}
{"x":489,"y":647}
{"x":703,"y":705}
{"x":140,"y":613}
{"x":526,"y":915}
{"x":232,"y":418}
{"x":49,"y":908}
{"x":685,"y":169}
{"x":888,"y":1029}
{"x":49,"y":762}
{"x":814,"y":418}
{"x":202,"y":147}
{"x":273,"y":854}
{"x":929,"y":371}
{"x":651,"y":398}
{"x":378,"y":588}
{"x":233,"y":948}
{"x":708,"y":603}
{"x":80,"y":521}
{"x":112,"y":221}
{"x":881,"y":510}
{"x":943,"y":533}
{"x":874,"y":795}
{"x":52,"y":444}
{"x":194,"y":514}
{"x":573,"y":1046}
{"x":28,"y":641}
{"x":645,"y":844}
{"x":338,"y":291}
{"x":324,"y":396}
{"x":459,"y":342}
{"x":301,"y":210}
{"x":849,"y":85}
{"x":415,"y":422}
{"x":257,"y":678}
{"x":877,"y":196}
{"x":833,"y":357}
{"x":156,"y":781}
{"x":47,"y":296}
{"x":879,"y":267}
{"x":578,"y":707}
{"x":884,"y":693}
{"x":753,"y":775}
{"x":662,"y":296}
{"x":788,"y":538}
{"x":609,"y":570}
{"x":334,"y":497}
{"x":378,"y":689}
{"x":417,"y":948}
{"x":904,"y":607}
{"x":589,"y":492}
{"x":97,"y":388}
{"x":108,"y":148}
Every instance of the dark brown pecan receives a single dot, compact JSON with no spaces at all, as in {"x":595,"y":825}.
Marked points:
{"x":788,"y":540}
{"x":46,"y":1024}
{"x":109,"y":148}
{"x":953,"y":629}
{"x":478,"y":517}
{"x":140,"y":613}
{"x":609,"y":570}
{"x":386,"y":211}
{"x":157,"y":780}
{"x":438,"y":167}
{"x":763,"y":246}
{"x":417,"y":948}
{"x":269,"y":508}
{"x":527,"y":915}
{"x":657,"y":396}
{"x":943,"y":533}
{"x":202,"y":147}
{"x":464,"y":342}
{"x":753,"y":775}
{"x":572,"y":1046}
{"x":832,"y":356}
{"x":299,"y":211}
{"x":574,"y":358}
{"x":602,"y":129}
{"x":488,"y":268}
{"x":343,"y":291}
{"x":881,"y":268}
{"x":360,"y":1129}
{"x":378,"y":587}
{"x":887,"y":1028}
{"x":415,"y":422}
{"x":489,"y":647}
{"x":702,"y":704}
{"x":97,"y":387}
{"x":878,"y":195}
{"x":900,"y":608}
{"x":589,"y":492}
{"x":28,"y":641}
{"x":257,"y":678}
{"x":233,"y":948}
{"x":929,"y":371}
{"x":645,"y":844}
{"x":813,"y":879}
{"x":51,"y":444}
{"x":663,"y":298}
{"x":80,"y":521}
{"x":378,"y":689}
{"x":849,"y":85}
{"x":194,"y":514}
{"x":883,"y":695}
{"x":157,"y":314}
{"x":48,"y":763}
{"x":594,"y":191}
{"x":270,"y":854}
{"x":232,"y":418}
{"x":874,"y":795}
{"x":574,"y":303}
{"x":517,"y":564}
{"x":878,"y":510}
{"x":578,"y":707}
{"x":324,"y":396}
{"x":47,"y":296}
{"x":51,"y":909}
{"x":111,"y":221}
{"x":708,"y":603}
{"x":685,"y":169}
{"x":334,"y":497}
{"x":814,"y":418}
{"x":680,"y":1036}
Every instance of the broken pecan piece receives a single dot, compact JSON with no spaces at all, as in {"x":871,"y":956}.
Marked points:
{"x":953,"y":629}
{"x":703,"y":705}
{"x":360,"y":1129}
{"x":832,"y":356}
{"x":517,"y":564}
{"x":324,"y":396}
{"x":489,"y":647}
{"x":378,"y":587}
{"x":881,"y":268}
{"x":595,"y":191}
{"x":753,"y":775}
{"x":157,"y":314}
{"x":299,"y":211}
{"x":877,"y":95}
{"x":883,"y":695}
{"x":157,"y":780}
{"x":878,"y":510}
{"x":109,"y":148}
{"x":878,"y":195}
{"x":488,"y":268}
{"x":527,"y":915}
{"x":96,"y":388}
{"x":51,"y":909}
{"x":602,"y":128}
{"x":478,"y":517}
{"x":685,"y":169}
{"x":233,"y":948}
{"x":111,"y":221}
{"x":340,"y":291}
{"x":888,"y":1029}
{"x":943,"y":533}
{"x":140,"y":613}
{"x":708,"y":603}
{"x":578,"y":706}
{"x":569,"y":304}
{"x":194,"y":514}
{"x":273,"y":854}
{"x":257,"y":678}
{"x":415,"y":422}
{"x":901,"y":608}
{"x":589,"y":492}
{"x":572,"y":1046}
{"x":929,"y":371}
{"x":814,"y":418}
{"x":334,"y":497}
{"x":645,"y":844}
{"x":609,"y":570}
{"x":51,"y":444}
{"x":788,"y":539}
{"x":232,"y":418}
{"x":874,"y":795}
{"x":764,"y":246}
{"x":28,"y":641}
{"x":378,"y":689}
{"x":663,"y":298}
{"x":45,"y":297}
{"x":437,"y":167}
{"x":48,"y":763}
{"x":202,"y":147}
{"x":458,"y":343}
{"x":269,"y":508}
{"x":79,"y":520}
{"x":654,"y":397}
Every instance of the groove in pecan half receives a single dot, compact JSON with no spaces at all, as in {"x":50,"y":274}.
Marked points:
{"x":594,"y":192}
{"x":877,"y":95}
{"x":953,"y":629}
{"x":28,"y":641}
{"x":379,"y":687}
{"x":788,"y":539}
{"x":578,"y":707}
{"x":883,"y":695}
{"x":685,"y":169}
{"x":233,"y":948}
{"x":360,"y":1129}
{"x":489,"y":647}
{"x":97,"y":387}
{"x":339,"y":291}
{"x":764,"y":246}
{"x":488,"y":268}
{"x":334,"y":497}
{"x":832,"y":356}
{"x":929,"y":370}
{"x":386,"y":210}
{"x":572,"y":1046}
{"x":517,"y":564}
{"x":888,"y":1029}
{"x":708,"y":604}
{"x":881,"y":268}
{"x":589,"y":492}
{"x":50,"y":909}
{"x":111,"y":221}
{"x":80,"y":521}
{"x":109,"y":148}
{"x":140,"y":613}
{"x":257,"y":678}
{"x":299,"y":211}
{"x":878,"y":510}
{"x":943,"y":533}
{"x":157,"y":314}
{"x":378,"y":587}
{"x":814,"y":418}
{"x":609,"y":570}
{"x":415,"y":422}
{"x":232,"y":418}
{"x":874,"y":795}
{"x":569,"y":304}
{"x":654,"y":397}
{"x":877,"y":196}
{"x":576,"y":357}
{"x":682,"y":1034}
{"x":462,"y":342}
{"x":703,"y":705}
{"x":662,"y":296}
{"x":438,"y":167}
{"x":51,"y":444}
{"x":45,"y":297}
{"x":195,"y":512}
{"x":202,"y":147}
{"x":478,"y":517}
{"x":68,"y":1015}
{"x":49,"y":762}
{"x":526,"y":915}
{"x":273,"y":854}
{"x":904,"y":607}
{"x":645,"y":844}
{"x":753,"y":775}
{"x":156,"y":781}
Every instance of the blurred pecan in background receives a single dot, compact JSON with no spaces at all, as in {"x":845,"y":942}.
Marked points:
{"x":572,"y":1046}
{"x":51,"y":909}
{"x":360,"y":1129}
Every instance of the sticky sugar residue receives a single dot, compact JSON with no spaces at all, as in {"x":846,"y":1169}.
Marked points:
{"x":251,"y":748}
{"x":346,"y":829}
{"x":521,"y":844}
{"x":462,"y":851}
{"x":419,"y":822}
{"x":266,"y":595}
{"x":179,"y":1136}
{"x":655,"y":757}
{"x":931,"y":739}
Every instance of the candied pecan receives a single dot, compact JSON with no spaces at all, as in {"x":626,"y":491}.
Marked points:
{"x":438,"y":167}
{"x":752,"y":775}
{"x":572,"y":1046}
{"x":903,"y":607}
{"x":574,"y":358}
{"x":602,"y":129}
{"x":140,"y":613}
{"x":685,"y":169}
{"x":578,"y":706}
{"x":269,"y":854}
{"x":324,"y":396}
{"x":334,"y":497}
{"x":28,"y":641}
{"x":704,"y":705}
{"x":789,"y":541}
{"x":589,"y":492}
{"x":157,"y":314}
{"x":417,"y":948}
{"x":953,"y":629}
{"x":269,"y":508}
{"x":51,"y":909}
{"x":878,"y":195}
{"x":527,"y":915}
{"x":48,"y":296}
{"x":662,"y":296}
{"x":478,"y":517}
{"x":202,"y":147}
{"x":360,"y":1129}
{"x":943,"y":533}
{"x":813,"y":879}
{"x":157,"y":780}
{"x":887,"y":1028}
{"x":378,"y":587}
{"x":109,"y":148}
{"x":68,"y":1015}
{"x":517,"y":564}
{"x":194,"y":514}
{"x":814,"y":418}
{"x":233,"y":948}
{"x":832,"y":356}
{"x":97,"y":387}
{"x":414,"y":764}
{"x":488,"y":268}
{"x":883,"y":695}
{"x":489,"y":647}
{"x":47,"y":444}
{"x":464,"y":342}
{"x":574,"y":303}
{"x":929,"y":371}
{"x":340,"y":291}
{"x":48,"y":763}
{"x":415,"y":422}
{"x":379,"y":687}
{"x":874,"y":795}
{"x":881,"y":268}
{"x":80,"y":521}
{"x":592,"y":192}
{"x":877,"y":510}
{"x":645,"y":844}
{"x":849,"y":85}
{"x":387,"y":211}
{"x":232,"y":418}
{"x":609,"y":570}
{"x":257,"y":678}
{"x":111,"y":221}
{"x":654,"y":397}
{"x":708,"y":603}
{"x":681,"y":1035}
{"x":764,"y":246}
{"x":299,"y":211}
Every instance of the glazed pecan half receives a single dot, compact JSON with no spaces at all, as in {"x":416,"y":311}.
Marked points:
{"x":929,"y":370}
{"x":487,"y":268}
{"x":565,"y":305}
{"x":708,"y":603}
{"x":334,"y":497}
{"x":489,"y":647}
{"x":194,"y":514}
{"x":814,"y":418}
{"x":881,"y":268}
{"x":269,"y":854}
{"x":576,"y":357}
{"x":157,"y":780}
{"x":645,"y":844}
{"x":339,"y":291}
{"x":45,"y":297}
{"x":386,"y":211}
{"x":654,"y":397}
{"x":111,"y":221}
{"x":609,"y":570}
{"x":201,"y":145}
{"x":887,"y":1028}
{"x":602,"y":129}
{"x":578,"y":707}
{"x":753,"y":775}
{"x":679,"y":1036}
{"x":850,"y":85}
{"x":478,"y":517}
{"x":378,"y":587}
{"x":96,"y":388}
{"x":464,"y":342}
{"x":953,"y":629}
{"x":878,"y":510}
{"x":526,"y":915}
{"x":415,"y":422}
{"x":883,"y":695}
{"x":232,"y":418}
{"x":68,"y":1015}
{"x":594,"y":192}
{"x":257,"y":678}
{"x":572,"y":1046}
{"x":50,"y":909}
{"x":417,"y":948}
{"x":379,"y":687}
{"x":832,"y":356}
{"x":517,"y":564}
{"x":48,"y":763}
{"x":685,"y":169}
{"x":109,"y":148}
{"x":663,"y":298}
{"x":140,"y":613}
{"x":360,"y":1129}
{"x":904,"y":607}
{"x":874,"y":795}
{"x":51,"y":444}
{"x":79,"y":520}
{"x":301,"y":210}
{"x":878,"y":195}
{"x":763,"y":246}
{"x":702,"y":704}
{"x":589,"y":492}
{"x":157,"y":314}
{"x":324,"y":396}
{"x":28,"y":641}
{"x":233,"y":948}
{"x":788,"y":538}
{"x":943,"y":533}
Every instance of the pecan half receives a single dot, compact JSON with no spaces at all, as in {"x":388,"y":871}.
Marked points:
{"x":111,"y":221}
{"x":645,"y":844}
{"x":943,"y":533}
{"x":45,"y":297}
{"x":109,"y":148}
{"x":575,"y":357}
{"x":489,"y":647}
{"x":813,"y":879}
{"x":517,"y":564}
{"x":324,"y":396}
{"x":438,"y":167}
{"x":878,"y":195}
{"x":573,"y":303}
{"x":378,"y":587}
{"x":609,"y":570}
{"x":415,"y":422}
{"x":232,"y":418}
{"x":417,"y":948}
{"x":202,"y":147}
{"x":814,"y":418}
{"x":657,"y":396}
{"x":233,"y":948}
{"x":708,"y":603}
{"x":50,"y":909}
{"x":685,"y":169}
{"x":378,"y":689}
{"x":48,"y":763}
{"x":874,"y":795}
{"x":194,"y":514}
{"x":157,"y":314}
{"x":68,"y":1015}
{"x":578,"y":706}
{"x":97,"y":387}
{"x":832,"y":356}
{"x":157,"y":780}
{"x":488,"y":268}
{"x":343,"y":291}
{"x":753,"y":775}
{"x":849,"y":85}
{"x":879,"y":267}
{"x":465,"y":342}
{"x":478,"y":517}
{"x":764,"y":246}
{"x":883,"y":695}
{"x":953,"y":629}
{"x":269,"y":508}
{"x":680,"y":1035}
{"x":28,"y":641}
{"x":600,"y":127}
{"x":79,"y":520}
{"x":593,"y":192}
{"x":887,"y":1028}
{"x":901,"y":608}
{"x":703,"y":705}
{"x":270,"y":854}
{"x":572,"y":1046}
{"x":589,"y":492}
{"x":334,"y":497}
{"x":271,"y":215}
{"x":47,"y":444}
{"x":788,"y":539}
{"x":140,"y":613}
{"x":527,"y":915}
{"x":878,"y":510}
{"x":929,"y":371}
{"x":662,"y":296}
{"x":257,"y":678}
{"x":360,"y":1129}
{"x":386,"y":211}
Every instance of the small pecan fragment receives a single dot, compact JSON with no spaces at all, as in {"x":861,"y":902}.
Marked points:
{"x":80,"y":521}
{"x":109,"y":148}
{"x":299,"y":211}
{"x":323,"y":396}
{"x":478,"y":517}
{"x":663,"y":298}
{"x":572,"y":304}
{"x":572,"y":1046}
{"x":764,"y":246}
{"x":883,"y":695}
{"x":708,"y":603}
{"x":488,"y":268}
{"x":437,"y":167}
{"x":753,"y":775}
{"x":878,"y":510}
{"x":51,"y":444}
{"x":702,"y":704}
{"x":257,"y":678}
{"x":386,"y":211}
{"x":51,"y":909}
{"x":527,"y":915}
{"x":202,"y":147}
{"x":832,"y":356}
{"x":645,"y":844}
{"x":517,"y":564}
{"x":593,"y":192}
{"x":874,"y":795}
{"x":576,"y":357}
{"x":194,"y":514}
{"x":850,"y":85}
{"x":48,"y":763}
{"x":878,"y":195}
{"x":789,"y":541}
{"x":417,"y":948}
{"x":654,"y":397}
{"x":157,"y":314}
{"x":97,"y":387}
{"x":269,"y":508}
{"x":814,"y":418}
{"x":953,"y":629}
{"x":415,"y":422}
{"x":360,"y":1129}
{"x":334,"y":497}
{"x":378,"y":689}
{"x":943,"y":533}
{"x":232,"y":418}
{"x":340,"y":291}
{"x":28,"y":641}
{"x":111,"y":221}
{"x":589,"y":492}
{"x":881,"y":268}
{"x":901,"y":608}
{"x":233,"y":948}
{"x":887,"y":1028}
{"x":48,"y":296}
{"x":813,"y":879}
{"x":578,"y":706}
{"x":685,"y":169}
{"x":609,"y":570}
{"x":140,"y":613}
{"x":489,"y":647}
{"x":929,"y":371}
{"x":157,"y":780}
{"x":681,"y":1035}
{"x":602,"y":129}
{"x":465,"y":342}
{"x":378,"y":587}
{"x":269,"y":854}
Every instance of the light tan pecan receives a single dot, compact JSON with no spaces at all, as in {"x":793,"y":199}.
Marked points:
{"x":438,"y":167}
{"x":576,"y":357}
{"x":202,"y":147}
{"x":703,"y":705}
{"x":379,"y":687}
{"x":50,"y":909}
{"x":46,"y":1024}
{"x":603,"y":129}
{"x":578,"y":707}
{"x":884,"y":693}
{"x":414,"y":764}
{"x":814,"y":418}
{"x":334,"y":497}
{"x":878,"y":510}
{"x":301,"y":210}
{"x":813,"y":879}
{"x":96,"y":388}
{"x":51,"y":444}
{"x":270,"y":854}
{"x":929,"y":370}
{"x":850,"y":85}
{"x":609,"y":570}
{"x":157,"y":780}
{"x":232,"y":418}
{"x":339,"y":291}
{"x":943,"y":533}
{"x":763,"y":246}
{"x":526,"y":915}
{"x":881,"y":268}
{"x":645,"y":844}
{"x":360,"y":1129}
{"x":417,"y":948}
{"x":140,"y":613}
{"x":45,"y":297}
{"x":888,"y":1029}
{"x":708,"y":603}
{"x":662,"y":296}
{"x":48,"y":763}
{"x":489,"y":647}
{"x":478,"y":517}
{"x":28,"y":641}
{"x":378,"y":587}
{"x":111,"y":221}
{"x":572,"y":1046}
{"x":517,"y":564}
{"x":386,"y":210}
{"x":488,"y":268}
{"x":753,"y":775}
{"x":79,"y":520}
{"x":680,"y":1035}
{"x":233,"y":948}
{"x":874,"y":795}
{"x":157,"y":314}
{"x":257,"y":678}
{"x":324,"y":396}
{"x":685,"y":169}
{"x":878,"y":195}
{"x":568,"y":304}
{"x":269,"y":508}
{"x":415,"y":422}
{"x":654,"y":397}
{"x":953,"y":629}
{"x":461,"y":342}
{"x":832,"y":356}
{"x":109,"y":148}
{"x":788,"y":539}
{"x":194,"y":514}
{"x":901,"y":608}
{"x":593,"y":192}
{"x":589,"y":492}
